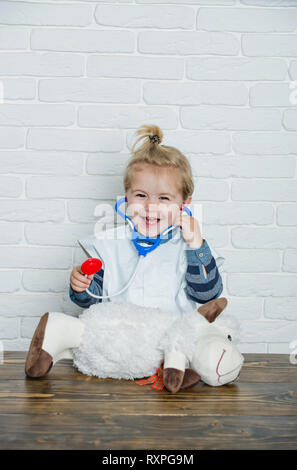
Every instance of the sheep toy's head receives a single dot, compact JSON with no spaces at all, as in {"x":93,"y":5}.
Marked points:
{"x":216,"y":357}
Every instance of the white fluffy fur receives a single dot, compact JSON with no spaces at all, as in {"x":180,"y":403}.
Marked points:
{"x":126,"y":341}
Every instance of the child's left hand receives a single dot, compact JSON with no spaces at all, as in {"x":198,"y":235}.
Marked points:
{"x":190,"y":229}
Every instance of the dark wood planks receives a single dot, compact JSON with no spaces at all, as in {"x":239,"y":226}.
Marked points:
{"x":68,"y":410}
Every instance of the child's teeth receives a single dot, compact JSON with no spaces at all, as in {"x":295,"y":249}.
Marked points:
{"x":151,"y":220}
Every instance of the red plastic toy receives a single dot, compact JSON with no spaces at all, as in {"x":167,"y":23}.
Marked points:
{"x":91,"y":266}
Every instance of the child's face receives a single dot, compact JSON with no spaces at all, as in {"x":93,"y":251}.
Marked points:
{"x":154,"y":193}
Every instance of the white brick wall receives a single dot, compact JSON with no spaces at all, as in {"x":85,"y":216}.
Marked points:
{"x":77,"y":78}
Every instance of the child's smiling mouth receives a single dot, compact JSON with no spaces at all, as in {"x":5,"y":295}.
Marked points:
{"x":150,"y":221}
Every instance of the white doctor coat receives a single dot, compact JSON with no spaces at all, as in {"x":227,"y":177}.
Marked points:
{"x":160,"y":279}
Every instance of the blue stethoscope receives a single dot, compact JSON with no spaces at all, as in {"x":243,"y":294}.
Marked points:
{"x":138,"y":241}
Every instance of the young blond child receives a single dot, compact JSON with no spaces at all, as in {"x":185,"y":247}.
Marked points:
{"x":158,"y":182}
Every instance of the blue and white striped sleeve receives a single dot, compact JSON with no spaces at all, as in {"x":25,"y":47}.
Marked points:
{"x":199,"y":288}
{"x":83,"y":299}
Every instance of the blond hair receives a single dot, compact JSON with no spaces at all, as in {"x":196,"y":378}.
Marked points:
{"x":153,"y":153}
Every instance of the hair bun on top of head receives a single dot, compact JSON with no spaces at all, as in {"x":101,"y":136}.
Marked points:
{"x":152,"y":134}
{"x":155,"y":138}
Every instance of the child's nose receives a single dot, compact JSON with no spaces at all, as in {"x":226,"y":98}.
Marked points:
{"x":150,"y":204}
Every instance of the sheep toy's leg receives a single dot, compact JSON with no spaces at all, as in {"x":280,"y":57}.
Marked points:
{"x":190,"y":378}
{"x":52,"y":341}
{"x":174,"y":370}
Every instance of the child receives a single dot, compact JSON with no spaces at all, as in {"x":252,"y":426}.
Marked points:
{"x":158,"y":181}
{"x":178,"y":274}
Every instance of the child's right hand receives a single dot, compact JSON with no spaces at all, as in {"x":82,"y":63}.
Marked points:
{"x":78,"y":281}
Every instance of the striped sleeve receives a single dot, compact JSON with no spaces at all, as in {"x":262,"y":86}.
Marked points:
{"x":198,"y":288}
{"x":83,"y":299}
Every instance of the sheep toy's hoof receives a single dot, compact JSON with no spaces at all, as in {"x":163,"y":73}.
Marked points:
{"x":38,"y":362}
{"x":173,"y":379}
{"x":190,"y":378}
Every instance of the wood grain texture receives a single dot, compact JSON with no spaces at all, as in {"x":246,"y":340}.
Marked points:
{"x":68,"y":410}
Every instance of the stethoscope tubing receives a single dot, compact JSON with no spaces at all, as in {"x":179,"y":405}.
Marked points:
{"x":124,"y":288}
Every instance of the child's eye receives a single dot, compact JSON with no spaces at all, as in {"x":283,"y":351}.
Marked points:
{"x":162,"y":197}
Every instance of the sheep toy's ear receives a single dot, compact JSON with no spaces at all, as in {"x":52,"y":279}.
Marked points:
{"x":212,"y":309}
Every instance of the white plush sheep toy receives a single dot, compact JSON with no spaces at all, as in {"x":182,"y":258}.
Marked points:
{"x":127,"y":341}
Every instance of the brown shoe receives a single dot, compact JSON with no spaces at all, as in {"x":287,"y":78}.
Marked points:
{"x":38,"y":362}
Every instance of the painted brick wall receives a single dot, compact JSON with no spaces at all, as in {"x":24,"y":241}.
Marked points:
{"x":77,"y":78}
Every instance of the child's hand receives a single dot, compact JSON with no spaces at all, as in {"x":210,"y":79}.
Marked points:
{"x":78,"y":281}
{"x":191,"y":230}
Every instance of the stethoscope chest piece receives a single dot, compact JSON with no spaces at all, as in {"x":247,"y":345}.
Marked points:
{"x":91,"y":266}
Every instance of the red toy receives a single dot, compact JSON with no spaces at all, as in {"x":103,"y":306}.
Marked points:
{"x":91,"y":266}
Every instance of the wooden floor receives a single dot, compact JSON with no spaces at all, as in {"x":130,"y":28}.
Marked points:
{"x":68,"y":410}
